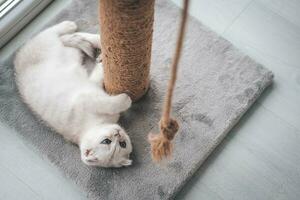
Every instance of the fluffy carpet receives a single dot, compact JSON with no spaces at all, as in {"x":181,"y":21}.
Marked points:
{"x":216,"y":86}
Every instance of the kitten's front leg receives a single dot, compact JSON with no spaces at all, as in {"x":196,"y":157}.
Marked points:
{"x":114,"y":104}
{"x":103,"y":104}
{"x":120,"y":103}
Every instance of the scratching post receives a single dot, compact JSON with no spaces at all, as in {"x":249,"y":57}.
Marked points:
{"x":126,"y":28}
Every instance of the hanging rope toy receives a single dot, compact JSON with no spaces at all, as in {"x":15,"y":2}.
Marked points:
{"x":161,"y":146}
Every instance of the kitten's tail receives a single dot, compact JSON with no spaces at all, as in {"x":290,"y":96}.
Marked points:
{"x":77,"y":41}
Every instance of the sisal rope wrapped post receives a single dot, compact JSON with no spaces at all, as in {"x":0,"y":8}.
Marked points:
{"x":161,"y":145}
{"x":126,"y":40}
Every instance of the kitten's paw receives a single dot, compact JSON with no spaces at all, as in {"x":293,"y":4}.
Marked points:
{"x":125,"y":101}
{"x":68,"y":27}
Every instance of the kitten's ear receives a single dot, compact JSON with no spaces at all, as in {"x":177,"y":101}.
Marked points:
{"x":126,"y":162}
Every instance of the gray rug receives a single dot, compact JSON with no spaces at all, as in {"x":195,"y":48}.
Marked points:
{"x":216,"y":86}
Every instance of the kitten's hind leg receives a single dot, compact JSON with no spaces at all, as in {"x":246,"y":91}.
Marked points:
{"x":73,"y":40}
{"x":46,"y":45}
{"x":94,"y":39}
{"x":65,"y":27}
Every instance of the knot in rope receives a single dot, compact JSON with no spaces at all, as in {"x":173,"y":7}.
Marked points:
{"x":169,"y":129}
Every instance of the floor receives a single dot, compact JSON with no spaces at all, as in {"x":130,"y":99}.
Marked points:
{"x":259,"y":159}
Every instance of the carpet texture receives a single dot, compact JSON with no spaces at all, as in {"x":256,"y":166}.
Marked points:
{"x":216,"y":85}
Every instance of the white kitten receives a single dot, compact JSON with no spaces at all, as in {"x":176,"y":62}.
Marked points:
{"x":54,"y":83}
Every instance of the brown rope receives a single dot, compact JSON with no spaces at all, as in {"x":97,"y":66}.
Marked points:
{"x":161,"y":146}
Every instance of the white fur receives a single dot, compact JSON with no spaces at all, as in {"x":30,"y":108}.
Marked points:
{"x":54,"y":83}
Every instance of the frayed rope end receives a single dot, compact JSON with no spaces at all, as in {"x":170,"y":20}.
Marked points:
{"x":161,"y":145}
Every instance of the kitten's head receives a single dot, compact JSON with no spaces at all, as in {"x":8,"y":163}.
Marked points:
{"x":106,"y":146}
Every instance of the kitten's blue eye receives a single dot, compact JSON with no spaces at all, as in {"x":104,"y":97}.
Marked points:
{"x":106,"y":141}
{"x":122,"y":144}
